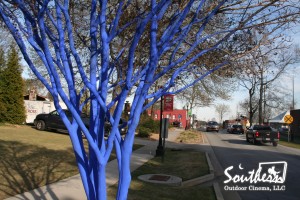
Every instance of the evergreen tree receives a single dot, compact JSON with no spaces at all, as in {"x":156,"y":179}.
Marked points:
{"x":11,"y":89}
{"x":2,"y":65}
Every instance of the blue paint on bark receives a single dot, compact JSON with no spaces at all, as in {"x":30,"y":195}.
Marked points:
{"x":50,"y":33}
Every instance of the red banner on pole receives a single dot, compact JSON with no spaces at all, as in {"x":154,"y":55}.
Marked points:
{"x":168,"y":102}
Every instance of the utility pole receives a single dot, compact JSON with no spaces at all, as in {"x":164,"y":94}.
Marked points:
{"x":293,"y":103}
{"x":260,"y":105}
{"x":265,"y":103}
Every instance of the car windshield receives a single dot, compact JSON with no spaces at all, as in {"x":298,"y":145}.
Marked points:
{"x":212,"y":123}
{"x":259,"y":127}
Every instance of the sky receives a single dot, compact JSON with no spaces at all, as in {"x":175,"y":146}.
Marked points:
{"x":208,"y":113}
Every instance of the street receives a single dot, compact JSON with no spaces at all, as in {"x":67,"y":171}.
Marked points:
{"x":243,"y":158}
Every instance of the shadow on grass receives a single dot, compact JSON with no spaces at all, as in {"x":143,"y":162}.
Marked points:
{"x":26,"y":167}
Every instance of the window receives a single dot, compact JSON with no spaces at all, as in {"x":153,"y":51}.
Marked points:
{"x":260,"y":127}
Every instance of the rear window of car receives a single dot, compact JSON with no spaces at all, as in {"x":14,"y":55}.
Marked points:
{"x":237,"y":126}
{"x":267,"y":128}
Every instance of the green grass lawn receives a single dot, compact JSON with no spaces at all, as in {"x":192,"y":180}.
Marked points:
{"x":294,"y":144}
{"x":32,"y":158}
{"x":185,"y":164}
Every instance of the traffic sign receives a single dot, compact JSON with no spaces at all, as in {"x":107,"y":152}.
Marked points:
{"x":288,"y":119}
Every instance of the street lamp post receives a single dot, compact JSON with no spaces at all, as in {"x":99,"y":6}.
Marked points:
{"x":187,"y":117}
{"x":160,"y":148}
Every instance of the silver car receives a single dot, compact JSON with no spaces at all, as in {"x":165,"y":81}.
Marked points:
{"x":212,"y":126}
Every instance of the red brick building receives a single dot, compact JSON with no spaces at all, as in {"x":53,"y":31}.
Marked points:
{"x":174,"y":116}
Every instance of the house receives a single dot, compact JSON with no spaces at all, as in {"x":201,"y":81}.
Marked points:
{"x":295,"y":125}
{"x":278,"y":121}
{"x":36,"y":104}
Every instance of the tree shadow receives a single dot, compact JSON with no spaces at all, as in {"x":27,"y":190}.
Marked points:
{"x":26,"y":167}
{"x":237,"y":141}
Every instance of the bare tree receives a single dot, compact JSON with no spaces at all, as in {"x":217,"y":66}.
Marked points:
{"x":250,"y":111}
{"x":222,"y":110}
{"x":268,"y":59}
{"x":205,"y":92}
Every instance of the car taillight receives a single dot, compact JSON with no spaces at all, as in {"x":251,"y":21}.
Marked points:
{"x":278,"y":135}
{"x":257,"y":134}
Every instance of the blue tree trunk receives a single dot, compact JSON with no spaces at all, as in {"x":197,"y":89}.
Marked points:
{"x":172,"y":53}
{"x":124,"y":175}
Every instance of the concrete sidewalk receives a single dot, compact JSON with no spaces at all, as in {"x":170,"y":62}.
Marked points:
{"x":72,"y":189}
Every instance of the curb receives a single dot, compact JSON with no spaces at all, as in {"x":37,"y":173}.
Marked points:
{"x":218,"y":192}
{"x":206,"y":178}
{"x":198,"y":181}
{"x":202,"y":179}
{"x":211,"y":168}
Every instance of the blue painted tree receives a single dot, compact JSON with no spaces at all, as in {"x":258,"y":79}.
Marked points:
{"x":163,"y":42}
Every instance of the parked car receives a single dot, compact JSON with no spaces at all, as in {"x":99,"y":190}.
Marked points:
{"x":261,"y":133}
{"x":283,"y":130}
{"x":229,"y":127}
{"x":176,"y":124}
{"x":54,"y":122}
{"x":237,"y":128}
{"x":212,"y":126}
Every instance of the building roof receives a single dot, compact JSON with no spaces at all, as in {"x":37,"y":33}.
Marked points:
{"x":279,"y":118}
{"x":38,"y":98}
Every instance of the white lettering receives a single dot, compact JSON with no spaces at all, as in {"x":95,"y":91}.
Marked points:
{"x":272,"y":176}
{"x":234,"y":188}
{"x":254,"y":188}
{"x":227,"y":174}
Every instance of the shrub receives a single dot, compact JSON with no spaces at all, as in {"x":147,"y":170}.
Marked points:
{"x":151,"y":124}
{"x":144,"y":132}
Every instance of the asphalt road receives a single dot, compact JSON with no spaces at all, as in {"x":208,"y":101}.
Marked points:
{"x":244,"y":158}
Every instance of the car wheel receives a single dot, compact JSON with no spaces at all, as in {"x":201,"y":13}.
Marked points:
{"x":40,"y":125}
{"x":275,"y":144}
{"x":253,"y":140}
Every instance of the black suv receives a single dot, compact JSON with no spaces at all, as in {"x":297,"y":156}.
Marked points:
{"x":238,"y":129}
{"x":54,"y":122}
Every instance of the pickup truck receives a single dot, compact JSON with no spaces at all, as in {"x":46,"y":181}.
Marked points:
{"x":261,"y":133}
{"x":54,"y":122}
